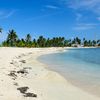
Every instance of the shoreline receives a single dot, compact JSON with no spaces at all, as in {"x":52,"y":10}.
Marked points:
{"x":43,"y":83}
{"x":79,"y":85}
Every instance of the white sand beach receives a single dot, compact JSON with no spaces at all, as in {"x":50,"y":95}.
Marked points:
{"x":19,"y":68}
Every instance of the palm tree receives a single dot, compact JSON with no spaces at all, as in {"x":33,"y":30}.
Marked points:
{"x":78,"y":41}
{"x":41,"y":41}
{"x":28,"y":38}
{"x":0,"y":32}
{"x":12,"y":38}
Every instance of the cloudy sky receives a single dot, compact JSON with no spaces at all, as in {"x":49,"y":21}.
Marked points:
{"x":69,"y":18}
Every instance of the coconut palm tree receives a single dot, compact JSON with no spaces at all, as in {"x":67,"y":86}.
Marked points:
{"x":12,"y":38}
{"x":41,"y":41}
{"x":28,"y":38}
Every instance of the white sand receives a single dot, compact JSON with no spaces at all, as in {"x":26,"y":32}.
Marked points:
{"x":46,"y":84}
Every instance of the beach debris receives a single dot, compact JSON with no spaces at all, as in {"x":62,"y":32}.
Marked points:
{"x":15,"y":83}
{"x":27,"y":68}
{"x":15,"y":63}
{"x":30,"y":95}
{"x":11,"y":63}
{"x":23,"y":61}
{"x":22,"y":71}
{"x":23,"y":90}
{"x":18,"y":57}
{"x":12,"y":74}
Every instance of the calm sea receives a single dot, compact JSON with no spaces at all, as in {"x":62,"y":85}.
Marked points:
{"x":80,"y":66}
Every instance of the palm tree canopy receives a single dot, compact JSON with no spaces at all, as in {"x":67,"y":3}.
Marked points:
{"x":12,"y":37}
{"x":28,"y":38}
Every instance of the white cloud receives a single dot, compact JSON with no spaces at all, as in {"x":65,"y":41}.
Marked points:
{"x":6,"y":14}
{"x":83,"y":9}
{"x":91,"y":5}
{"x":9,"y":14}
{"x":52,"y":7}
{"x":85,"y":26}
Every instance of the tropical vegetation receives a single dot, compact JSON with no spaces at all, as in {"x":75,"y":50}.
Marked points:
{"x":13,"y":40}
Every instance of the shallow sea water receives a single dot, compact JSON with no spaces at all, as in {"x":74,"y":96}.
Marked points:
{"x":81,"y":67}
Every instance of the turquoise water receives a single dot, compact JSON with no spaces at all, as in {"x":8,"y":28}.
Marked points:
{"x":80,"y":66}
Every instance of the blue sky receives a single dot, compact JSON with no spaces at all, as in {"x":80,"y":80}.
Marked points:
{"x":68,"y":18}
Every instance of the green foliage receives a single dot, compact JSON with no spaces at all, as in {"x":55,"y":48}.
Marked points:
{"x":13,"y":41}
{"x":20,"y":43}
{"x":41,"y":42}
{"x":12,"y":38}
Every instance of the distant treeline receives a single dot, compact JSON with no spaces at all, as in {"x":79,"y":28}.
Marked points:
{"x":14,"y":41}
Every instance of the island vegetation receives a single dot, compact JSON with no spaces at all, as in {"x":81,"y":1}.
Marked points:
{"x":13,"y":40}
